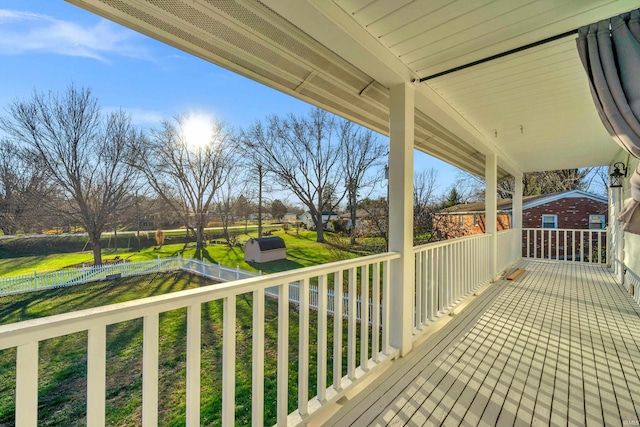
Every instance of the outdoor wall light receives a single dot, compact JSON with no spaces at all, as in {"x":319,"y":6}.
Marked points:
{"x":616,"y":178}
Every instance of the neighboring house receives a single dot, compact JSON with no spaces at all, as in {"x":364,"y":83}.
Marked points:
{"x":290,"y":217}
{"x":310,"y":223}
{"x":574,"y":209}
{"x":570,"y":210}
{"x":265,"y":249}
{"x":365,"y":221}
{"x":255,"y":216}
{"x":346,"y":217}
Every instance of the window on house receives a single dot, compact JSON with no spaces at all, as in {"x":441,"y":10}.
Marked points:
{"x":549,"y":221}
{"x":475,"y":220}
{"x":596,"y":222}
{"x":460,"y":221}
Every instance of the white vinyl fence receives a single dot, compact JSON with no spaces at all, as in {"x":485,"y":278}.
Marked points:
{"x":75,"y":276}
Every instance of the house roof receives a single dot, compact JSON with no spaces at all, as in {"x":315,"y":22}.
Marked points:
{"x":360,"y":213}
{"x":506,"y":205}
{"x":324,"y":213}
{"x":533,"y":108}
{"x":269,"y":243}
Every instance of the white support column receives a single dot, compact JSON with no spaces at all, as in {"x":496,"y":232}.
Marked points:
{"x":616,"y":239}
{"x":401,"y":130}
{"x":517,"y":202}
{"x":491,"y":211}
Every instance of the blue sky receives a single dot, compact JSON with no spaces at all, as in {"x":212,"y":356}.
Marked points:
{"x":47,"y":45}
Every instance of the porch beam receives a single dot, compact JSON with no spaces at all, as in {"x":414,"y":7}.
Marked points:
{"x":401,"y":126}
{"x":491,"y":201}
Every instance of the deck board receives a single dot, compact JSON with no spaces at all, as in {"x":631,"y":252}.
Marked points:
{"x":559,"y":346}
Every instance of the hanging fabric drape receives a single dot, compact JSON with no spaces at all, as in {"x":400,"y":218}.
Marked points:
{"x":610,"y":54}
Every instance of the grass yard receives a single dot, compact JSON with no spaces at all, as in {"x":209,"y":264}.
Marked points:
{"x":302,"y":251}
{"x":62,"y":372}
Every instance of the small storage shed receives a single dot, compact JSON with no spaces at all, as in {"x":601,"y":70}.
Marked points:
{"x":265,"y":249}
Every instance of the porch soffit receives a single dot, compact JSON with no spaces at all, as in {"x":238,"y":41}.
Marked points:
{"x":532,"y":108}
{"x":251,"y":39}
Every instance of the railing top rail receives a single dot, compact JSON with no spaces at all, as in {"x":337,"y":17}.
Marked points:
{"x":509,"y":230}
{"x":19,"y":333}
{"x":439,"y":243}
{"x":599,"y":230}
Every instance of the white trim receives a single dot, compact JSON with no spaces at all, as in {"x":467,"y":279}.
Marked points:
{"x":603,"y":222}
{"x":555,"y":220}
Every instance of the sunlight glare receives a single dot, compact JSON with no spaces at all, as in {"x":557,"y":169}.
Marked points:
{"x":197,"y":130}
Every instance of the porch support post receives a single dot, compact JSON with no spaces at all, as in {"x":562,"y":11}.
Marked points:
{"x":616,"y":239}
{"x":401,"y":131}
{"x":491,"y":200}
{"x":516,"y":212}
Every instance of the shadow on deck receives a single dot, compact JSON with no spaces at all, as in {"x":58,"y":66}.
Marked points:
{"x":558,"y":346}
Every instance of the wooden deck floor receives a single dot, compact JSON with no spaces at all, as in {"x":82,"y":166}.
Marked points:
{"x":558,"y":346}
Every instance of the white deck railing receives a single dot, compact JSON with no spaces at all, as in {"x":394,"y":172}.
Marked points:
{"x":632,"y":284}
{"x":509,"y":248}
{"x":368,"y":277}
{"x":445,"y":272}
{"x":565,"y":244}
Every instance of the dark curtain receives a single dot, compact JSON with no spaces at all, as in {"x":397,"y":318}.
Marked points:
{"x":610,"y":53}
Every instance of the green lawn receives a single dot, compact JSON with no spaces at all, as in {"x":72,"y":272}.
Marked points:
{"x":62,"y":373}
{"x":302,"y":251}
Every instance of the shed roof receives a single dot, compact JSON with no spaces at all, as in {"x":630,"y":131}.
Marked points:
{"x":269,"y":243}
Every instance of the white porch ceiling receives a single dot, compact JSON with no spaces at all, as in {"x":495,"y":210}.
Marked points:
{"x":532,"y":108}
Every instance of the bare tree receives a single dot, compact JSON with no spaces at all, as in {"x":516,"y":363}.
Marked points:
{"x":361,"y":152}
{"x":425,"y":184}
{"x":23,"y":187}
{"x":243,"y":210}
{"x":534,"y":183}
{"x":377,"y":222}
{"x":228,"y":202}
{"x":256,"y":174}
{"x":85,"y":155}
{"x":303,"y":154}
{"x":185,"y":175}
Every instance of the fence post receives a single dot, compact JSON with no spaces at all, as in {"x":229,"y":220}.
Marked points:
{"x":35,"y":279}
{"x":259,"y":272}
{"x":158,"y":263}
{"x":237,"y":272}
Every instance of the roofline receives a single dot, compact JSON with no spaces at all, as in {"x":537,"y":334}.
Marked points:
{"x":567,"y":194}
{"x":472,"y":212}
{"x":540,"y":201}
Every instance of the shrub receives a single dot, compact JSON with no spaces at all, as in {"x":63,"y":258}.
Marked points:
{"x":159,"y":237}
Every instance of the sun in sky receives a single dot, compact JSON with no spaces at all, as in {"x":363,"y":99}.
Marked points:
{"x":197,"y":129}
{"x":47,"y":45}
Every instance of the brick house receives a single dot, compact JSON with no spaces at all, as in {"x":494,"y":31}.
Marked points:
{"x":574,"y":209}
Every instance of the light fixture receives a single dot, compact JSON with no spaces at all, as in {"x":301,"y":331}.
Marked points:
{"x":616,"y":177}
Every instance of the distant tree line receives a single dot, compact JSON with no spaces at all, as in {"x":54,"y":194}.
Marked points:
{"x":64,"y":161}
